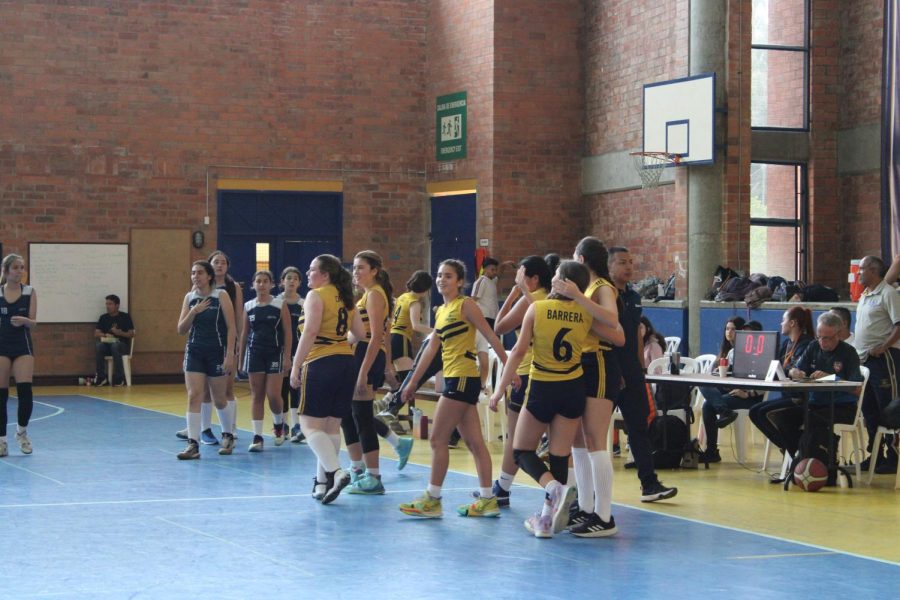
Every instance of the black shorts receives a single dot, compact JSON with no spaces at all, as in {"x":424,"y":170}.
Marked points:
{"x":546,"y":399}
{"x":20,"y":345}
{"x":375,"y":376}
{"x":464,"y":389}
{"x":206,"y":360}
{"x":401,"y":347}
{"x":326,"y":386}
{"x":602,"y":375}
{"x":515,"y":398}
{"x":263,"y":360}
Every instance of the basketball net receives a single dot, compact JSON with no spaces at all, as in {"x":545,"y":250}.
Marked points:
{"x":650,"y":165}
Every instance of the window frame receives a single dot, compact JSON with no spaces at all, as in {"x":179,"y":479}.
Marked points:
{"x":801,"y":223}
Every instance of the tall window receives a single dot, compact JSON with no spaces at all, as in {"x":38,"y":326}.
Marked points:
{"x":778,"y":218}
{"x":779,"y":96}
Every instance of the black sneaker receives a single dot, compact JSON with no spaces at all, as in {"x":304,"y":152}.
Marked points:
{"x":595,"y":527}
{"x":657,"y":491}
{"x":454,"y":439}
{"x":501,"y":495}
{"x":101,"y":382}
{"x":577,"y":518}
{"x":710,"y":456}
{"x":726,"y":419}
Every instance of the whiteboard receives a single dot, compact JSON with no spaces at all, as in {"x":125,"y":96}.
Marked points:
{"x":73,"y":280}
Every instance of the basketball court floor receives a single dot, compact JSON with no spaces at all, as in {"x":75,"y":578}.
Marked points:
{"x":102,"y":509}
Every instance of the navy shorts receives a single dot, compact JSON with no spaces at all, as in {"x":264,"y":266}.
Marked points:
{"x":515,"y":398}
{"x":19,"y":345}
{"x":546,"y":399}
{"x":263,"y":360}
{"x":602,"y":375}
{"x":400,"y":347}
{"x":209,"y":361}
{"x":464,"y":389}
{"x":326,"y":386}
{"x":375,"y":376}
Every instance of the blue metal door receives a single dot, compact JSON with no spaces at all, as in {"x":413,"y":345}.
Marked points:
{"x":453,"y":235}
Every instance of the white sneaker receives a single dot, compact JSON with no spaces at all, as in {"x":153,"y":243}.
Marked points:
{"x":24,"y":442}
{"x":4,"y":449}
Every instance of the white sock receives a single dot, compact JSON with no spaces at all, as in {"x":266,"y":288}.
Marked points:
{"x":358,"y":465}
{"x":20,"y":430}
{"x":336,"y":442}
{"x":321,"y":476}
{"x":392,"y":438}
{"x":257,"y":427}
{"x":2,"y":438}
{"x":602,"y":469}
{"x":225,"y":419}
{"x":277,"y":419}
{"x":232,"y":408}
{"x":506,"y":480}
{"x":486,"y":492}
{"x":434,"y":491}
{"x":323,"y":449}
{"x":193,"y":425}
{"x":295,"y":419}
{"x":550,"y":485}
{"x":205,"y":416}
{"x":374,"y":472}
{"x":584,"y":480}
{"x":571,"y":479}
{"x":546,"y":510}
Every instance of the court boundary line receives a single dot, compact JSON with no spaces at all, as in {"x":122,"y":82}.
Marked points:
{"x":628,"y":506}
{"x":59,"y":410}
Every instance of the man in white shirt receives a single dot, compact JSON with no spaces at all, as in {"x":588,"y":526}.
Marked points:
{"x":878,"y":345}
{"x":484,"y":292}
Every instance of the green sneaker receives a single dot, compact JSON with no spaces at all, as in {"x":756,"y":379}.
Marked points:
{"x":368,"y":485}
{"x":425,"y":507}
{"x":404,"y":447}
{"x":482,"y":507}
{"x":356,"y":474}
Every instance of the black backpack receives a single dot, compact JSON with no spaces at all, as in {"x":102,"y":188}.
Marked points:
{"x":669,"y":437}
{"x":736,"y":289}
{"x":673,"y":396}
{"x":816,"y":292}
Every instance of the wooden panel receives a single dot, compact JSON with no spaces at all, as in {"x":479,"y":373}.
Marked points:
{"x":160,"y":277}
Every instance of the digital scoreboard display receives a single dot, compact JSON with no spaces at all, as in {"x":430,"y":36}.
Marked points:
{"x":754,"y":351}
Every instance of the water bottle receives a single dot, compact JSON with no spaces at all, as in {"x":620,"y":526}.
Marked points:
{"x":675,"y":363}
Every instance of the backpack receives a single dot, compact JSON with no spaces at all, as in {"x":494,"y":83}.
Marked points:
{"x":668,"y":290}
{"x":816,"y":292}
{"x":673,"y":396}
{"x":647,"y":287}
{"x":814,"y":443}
{"x":721,"y":275}
{"x":775,"y":281}
{"x":669,"y":437}
{"x":757,"y":296}
{"x":736,"y":289}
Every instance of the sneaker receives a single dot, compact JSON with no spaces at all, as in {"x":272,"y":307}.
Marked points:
{"x":182,"y":435}
{"x":617,"y":450}
{"x":543,"y":449}
{"x":560,"y":499}
{"x":279,"y":432}
{"x":577,"y":518}
{"x":4,"y":449}
{"x":368,"y":485}
{"x":24,"y":442}
{"x":482,"y":507}
{"x":425,"y":506}
{"x":595,"y":527}
{"x":710,"y":456}
{"x":119,"y":383}
{"x":192,"y":452}
{"x":208,"y":437}
{"x":297,"y":436}
{"x":319,"y":489}
{"x":356,"y":474}
{"x":257,"y":445}
{"x":500,"y":494}
{"x":540,"y":527}
{"x":227,"y":444}
{"x":726,"y":419}
{"x":339,"y":480}
{"x":404,"y":447}
{"x":101,"y":381}
{"x":454,"y":439}
{"x":657,"y":491}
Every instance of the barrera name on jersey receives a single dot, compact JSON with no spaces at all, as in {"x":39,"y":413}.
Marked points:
{"x":332,"y":337}
{"x":558,"y":336}
{"x":457,"y":340}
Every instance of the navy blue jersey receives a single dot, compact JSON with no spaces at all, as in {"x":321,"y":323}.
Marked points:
{"x":296,"y":310}
{"x":10,"y":335}
{"x":265,"y":324}
{"x":209,"y":329}
{"x":630,"y":318}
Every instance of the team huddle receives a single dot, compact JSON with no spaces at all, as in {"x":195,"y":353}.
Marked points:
{"x":577,"y":345}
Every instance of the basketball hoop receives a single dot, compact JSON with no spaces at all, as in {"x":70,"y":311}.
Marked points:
{"x":650,"y":165}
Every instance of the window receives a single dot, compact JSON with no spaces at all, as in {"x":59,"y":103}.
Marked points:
{"x":262,"y":256}
{"x":778,"y":220}
{"x":779,"y":95}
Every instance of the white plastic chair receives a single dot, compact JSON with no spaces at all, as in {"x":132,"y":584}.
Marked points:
{"x":673,"y":343}
{"x":687,"y":365}
{"x":876,"y":443}
{"x":495,"y":369}
{"x":126,"y":365}
{"x":855,"y":429}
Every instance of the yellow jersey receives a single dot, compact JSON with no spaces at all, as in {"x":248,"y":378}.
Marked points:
{"x":457,"y":340}
{"x":364,"y":314}
{"x":525,"y":365}
{"x":403,"y":324}
{"x":558,"y":336}
{"x":336,"y":319}
{"x":593,"y":342}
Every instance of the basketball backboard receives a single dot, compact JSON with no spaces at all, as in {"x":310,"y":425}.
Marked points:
{"x":679,"y":118}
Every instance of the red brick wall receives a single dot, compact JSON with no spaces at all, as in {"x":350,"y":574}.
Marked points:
{"x":112,"y":113}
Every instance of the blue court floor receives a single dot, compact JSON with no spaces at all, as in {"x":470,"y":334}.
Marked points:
{"x":103,"y":509}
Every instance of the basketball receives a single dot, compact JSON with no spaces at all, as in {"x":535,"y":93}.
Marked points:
{"x":810,"y":474}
